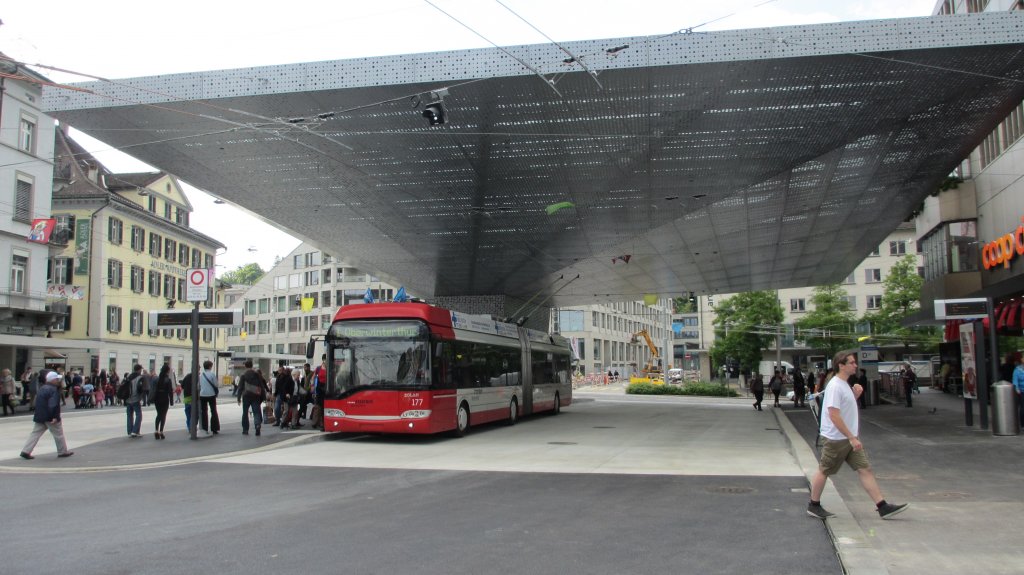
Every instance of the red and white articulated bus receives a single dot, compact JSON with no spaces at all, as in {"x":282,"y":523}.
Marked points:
{"x":416,"y":368}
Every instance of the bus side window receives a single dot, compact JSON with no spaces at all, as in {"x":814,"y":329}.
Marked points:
{"x":442,"y":367}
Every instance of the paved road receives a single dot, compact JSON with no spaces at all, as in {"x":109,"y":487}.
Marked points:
{"x":613,"y":485}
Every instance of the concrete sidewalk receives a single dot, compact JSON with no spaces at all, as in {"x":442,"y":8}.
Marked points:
{"x":963,"y":485}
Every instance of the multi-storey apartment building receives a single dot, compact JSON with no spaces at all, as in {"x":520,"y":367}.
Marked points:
{"x":972,"y":234}
{"x":694,"y":332}
{"x":26,"y":171}
{"x":128,"y":246}
{"x":605,"y":336}
{"x":277,"y":324}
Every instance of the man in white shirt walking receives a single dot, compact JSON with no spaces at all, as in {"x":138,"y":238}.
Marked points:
{"x":840,"y":426}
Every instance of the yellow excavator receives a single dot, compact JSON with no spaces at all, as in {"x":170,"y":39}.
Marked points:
{"x":651,"y":372}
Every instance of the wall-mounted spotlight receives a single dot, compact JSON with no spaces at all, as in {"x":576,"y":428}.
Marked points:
{"x":434,"y":112}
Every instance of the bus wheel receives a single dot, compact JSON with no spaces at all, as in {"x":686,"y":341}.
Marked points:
{"x":462,"y":420}
{"x":558,"y":406}
{"x":513,"y":411}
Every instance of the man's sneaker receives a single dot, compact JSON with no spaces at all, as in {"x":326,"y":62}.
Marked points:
{"x":888,"y":511}
{"x":27,"y":455}
{"x":66,"y":454}
{"x":818,"y":511}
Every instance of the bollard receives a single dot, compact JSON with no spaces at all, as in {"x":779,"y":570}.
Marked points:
{"x":1005,"y":418}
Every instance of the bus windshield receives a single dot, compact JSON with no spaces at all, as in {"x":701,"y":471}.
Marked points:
{"x":388,"y":354}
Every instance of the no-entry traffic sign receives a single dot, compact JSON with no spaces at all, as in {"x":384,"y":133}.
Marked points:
{"x":197,"y":284}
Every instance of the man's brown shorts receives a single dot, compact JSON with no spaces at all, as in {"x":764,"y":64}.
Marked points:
{"x":835,"y":452}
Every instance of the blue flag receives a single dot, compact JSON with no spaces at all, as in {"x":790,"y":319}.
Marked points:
{"x":400,"y":295}
{"x":368,"y":296}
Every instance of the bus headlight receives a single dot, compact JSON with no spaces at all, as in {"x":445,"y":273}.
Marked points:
{"x":332,"y":412}
{"x":415,"y":414}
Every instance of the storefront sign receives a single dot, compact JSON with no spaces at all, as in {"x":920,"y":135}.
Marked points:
{"x":968,"y":308}
{"x":1004,"y":248}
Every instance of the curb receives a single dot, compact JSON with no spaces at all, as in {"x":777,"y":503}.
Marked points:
{"x":856,"y":554}
{"x":298,"y":440}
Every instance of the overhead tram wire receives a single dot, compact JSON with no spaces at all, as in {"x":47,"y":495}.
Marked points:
{"x":572,"y":57}
{"x":503,"y":50}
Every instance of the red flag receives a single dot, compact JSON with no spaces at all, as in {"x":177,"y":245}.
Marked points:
{"x":41,"y":230}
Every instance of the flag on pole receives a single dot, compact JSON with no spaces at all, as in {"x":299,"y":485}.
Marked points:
{"x":306,"y":304}
{"x":368,"y":296}
{"x":400,"y":295}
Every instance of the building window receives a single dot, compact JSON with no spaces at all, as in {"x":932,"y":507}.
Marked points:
{"x":325,"y":275}
{"x":313,"y":278}
{"x":797,"y":305}
{"x":169,"y":284}
{"x":897,"y":248}
{"x":181,"y":289}
{"x":138,"y":239}
{"x":27,"y":134}
{"x":851,"y":302}
{"x":850,"y":279}
{"x":19,"y":264}
{"x":282,"y":326}
{"x":325,"y":299}
{"x":197,"y":257}
{"x":62,"y":311}
{"x":154,"y":283}
{"x":152,"y":203}
{"x":872,"y":275}
{"x":208,"y":260}
{"x":875,"y":252}
{"x":874,"y":301}
{"x":180,"y":217}
{"x":114,"y":269}
{"x":113,"y":319}
{"x":136,"y":321}
{"x":265,"y":305}
{"x":183,"y":254}
{"x":167,"y":210}
{"x":156,"y":245}
{"x":115,"y":230}
{"x":60,"y":271}
{"x":170,"y":249}
{"x":263,"y":326}
{"x":23,"y":199}
{"x":138,"y":279}
{"x":65,"y":225}
{"x":281,"y":282}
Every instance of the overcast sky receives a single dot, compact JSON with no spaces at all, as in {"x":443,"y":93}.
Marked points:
{"x":121,"y":39}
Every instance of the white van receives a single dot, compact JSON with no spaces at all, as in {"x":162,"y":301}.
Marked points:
{"x":767,"y":369}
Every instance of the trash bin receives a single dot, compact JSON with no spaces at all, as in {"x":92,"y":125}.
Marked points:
{"x":871,"y":392}
{"x":1005,"y":419}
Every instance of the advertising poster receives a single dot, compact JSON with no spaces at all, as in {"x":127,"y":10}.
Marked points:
{"x":968,"y":360}
{"x":82,"y":236}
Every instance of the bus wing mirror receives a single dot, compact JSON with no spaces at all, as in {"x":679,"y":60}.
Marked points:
{"x":310,"y":348}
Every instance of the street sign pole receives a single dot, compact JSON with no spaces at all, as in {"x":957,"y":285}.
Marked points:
{"x":196,"y":407}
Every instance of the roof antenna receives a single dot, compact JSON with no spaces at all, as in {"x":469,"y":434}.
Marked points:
{"x":523,"y":319}
{"x":529,"y":301}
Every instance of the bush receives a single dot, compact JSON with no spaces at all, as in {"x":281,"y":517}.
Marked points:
{"x":702,"y":388}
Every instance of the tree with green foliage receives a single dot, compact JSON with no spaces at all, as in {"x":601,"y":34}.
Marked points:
{"x":829,"y":326}
{"x":248,"y":274}
{"x":744,"y":325}
{"x":901,"y":299}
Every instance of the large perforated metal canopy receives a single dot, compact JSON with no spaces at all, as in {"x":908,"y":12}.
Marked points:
{"x":716,"y":162}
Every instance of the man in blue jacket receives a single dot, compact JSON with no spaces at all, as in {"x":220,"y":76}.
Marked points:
{"x":1018,"y":383}
{"x":47,"y":416}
